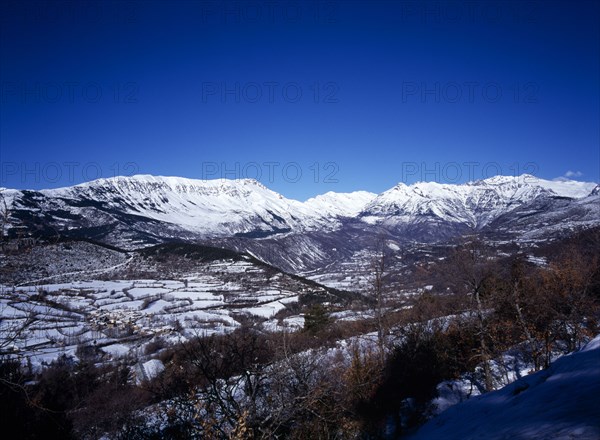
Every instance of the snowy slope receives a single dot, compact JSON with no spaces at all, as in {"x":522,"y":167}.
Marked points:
{"x":563,"y":188}
{"x":209,"y":206}
{"x":205,"y":290}
{"x":474,"y":204}
{"x":332,"y":204}
{"x":558,"y":403}
{"x":144,"y":209}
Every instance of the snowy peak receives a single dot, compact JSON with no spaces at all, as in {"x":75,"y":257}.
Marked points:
{"x":174,"y":208}
{"x":181,"y":185}
{"x":526,"y":182}
{"x":475,"y":204}
{"x":334,"y":204}
{"x":216,"y":207}
{"x":219,"y":207}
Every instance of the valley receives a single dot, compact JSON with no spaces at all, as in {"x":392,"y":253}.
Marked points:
{"x":239,"y":293}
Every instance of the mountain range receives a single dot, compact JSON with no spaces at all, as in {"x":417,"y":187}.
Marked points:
{"x":142,"y":210}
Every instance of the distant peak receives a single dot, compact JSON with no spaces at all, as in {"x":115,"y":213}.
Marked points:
{"x":399,"y":186}
{"x":171,"y":181}
{"x":143,"y":182}
{"x":251,"y":182}
{"x":334,"y":194}
{"x":499,"y":179}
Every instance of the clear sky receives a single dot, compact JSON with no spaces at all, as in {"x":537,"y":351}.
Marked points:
{"x":308,"y":97}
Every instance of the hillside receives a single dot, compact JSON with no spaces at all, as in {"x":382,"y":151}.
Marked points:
{"x":83,"y":294}
{"x":558,"y":403}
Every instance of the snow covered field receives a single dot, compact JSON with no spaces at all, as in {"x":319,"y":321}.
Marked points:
{"x":122,"y":317}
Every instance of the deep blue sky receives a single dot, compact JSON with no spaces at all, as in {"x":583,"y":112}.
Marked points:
{"x":390,"y":91}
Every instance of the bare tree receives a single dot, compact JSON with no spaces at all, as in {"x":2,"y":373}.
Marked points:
{"x":517,"y":290}
{"x":4,"y":215}
{"x":570,"y":281}
{"x":13,"y":329}
{"x":230,"y":373}
{"x":470,"y":267}
{"x":378,"y":269}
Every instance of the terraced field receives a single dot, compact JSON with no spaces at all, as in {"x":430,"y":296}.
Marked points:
{"x":121,"y":317}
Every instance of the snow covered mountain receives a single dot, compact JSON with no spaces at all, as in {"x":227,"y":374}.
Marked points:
{"x":334,"y":204}
{"x":174,"y":207}
{"x":211,"y":207}
{"x":474,"y":204}
{"x":143,"y":209}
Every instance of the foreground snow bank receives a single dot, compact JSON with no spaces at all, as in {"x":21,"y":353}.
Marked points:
{"x":558,"y":403}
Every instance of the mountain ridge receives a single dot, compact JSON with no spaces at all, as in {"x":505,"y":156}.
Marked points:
{"x":145,"y":210}
{"x":578,"y":188}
